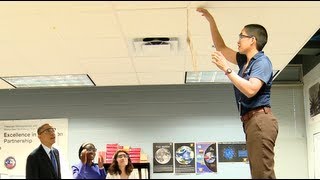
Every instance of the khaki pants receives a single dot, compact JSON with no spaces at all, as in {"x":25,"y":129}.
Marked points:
{"x":261,"y":134}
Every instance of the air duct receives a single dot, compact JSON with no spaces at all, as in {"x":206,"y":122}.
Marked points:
{"x":155,"y":46}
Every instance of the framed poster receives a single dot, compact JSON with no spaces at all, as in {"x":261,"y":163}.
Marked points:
{"x":184,"y":158}
{"x":314,"y":99}
{"x":206,"y":153}
{"x":163,"y":157}
{"x":232,"y":152}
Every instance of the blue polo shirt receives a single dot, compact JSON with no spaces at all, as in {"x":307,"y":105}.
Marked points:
{"x":259,"y":67}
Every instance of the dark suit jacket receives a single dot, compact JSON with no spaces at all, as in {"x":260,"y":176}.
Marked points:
{"x":39,"y":165}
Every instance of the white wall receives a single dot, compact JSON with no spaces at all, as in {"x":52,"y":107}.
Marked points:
{"x":291,"y":146}
{"x":312,"y":124}
{"x":140,"y":116}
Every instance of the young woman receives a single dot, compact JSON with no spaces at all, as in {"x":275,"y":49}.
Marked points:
{"x":87,"y":169}
{"x":121,"y":167}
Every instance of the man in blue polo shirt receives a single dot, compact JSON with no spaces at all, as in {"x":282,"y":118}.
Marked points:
{"x":252,"y":87}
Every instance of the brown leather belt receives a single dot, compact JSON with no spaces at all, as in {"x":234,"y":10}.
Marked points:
{"x":249,"y":114}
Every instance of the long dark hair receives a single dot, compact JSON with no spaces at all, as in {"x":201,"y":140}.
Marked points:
{"x":114,"y":167}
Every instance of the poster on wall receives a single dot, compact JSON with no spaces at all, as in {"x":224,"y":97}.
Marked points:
{"x":232,"y":152}
{"x":314,"y":99}
{"x":206,"y":153}
{"x":163,"y":157}
{"x":19,"y":138}
{"x":184,"y":158}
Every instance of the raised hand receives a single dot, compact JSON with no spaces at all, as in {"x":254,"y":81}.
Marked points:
{"x":219,"y":60}
{"x":100,"y":161}
{"x":205,"y":13}
{"x":84,"y":156}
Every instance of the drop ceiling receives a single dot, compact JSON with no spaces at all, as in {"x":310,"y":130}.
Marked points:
{"x":96,"y":37}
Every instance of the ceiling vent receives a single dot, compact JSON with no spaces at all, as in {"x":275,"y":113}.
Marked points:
{"x":155,"y":46}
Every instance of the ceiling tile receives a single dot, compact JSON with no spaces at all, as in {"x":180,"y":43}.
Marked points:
{"x":5,"y":85}
{"x":85,"y":23}
{"x":111,"y":65}
{"x":161,"y":78}
{"x":159,"y":64}
{"x":254,"y":4}
{"x":279,"y":61}
{"x":153,"y":22}
{"x":126,"y":5}
{"x":203,"y":63}
{"x":96,"y":37}
{"x":114,"y":79}
{"x":95,"y":47}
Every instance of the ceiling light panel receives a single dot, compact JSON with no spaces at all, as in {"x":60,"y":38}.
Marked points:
{"x":49,"y":81}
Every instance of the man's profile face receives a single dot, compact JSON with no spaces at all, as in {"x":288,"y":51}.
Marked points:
{"x":47,"y":135}
{"x":245,"y":42}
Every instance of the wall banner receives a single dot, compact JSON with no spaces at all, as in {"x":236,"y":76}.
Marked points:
{"x":18,"y":138}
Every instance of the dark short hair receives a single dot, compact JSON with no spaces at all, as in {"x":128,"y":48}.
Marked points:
{"x":259,"y":32}
{"x":82,"y":147}
{"x":40,"y":128}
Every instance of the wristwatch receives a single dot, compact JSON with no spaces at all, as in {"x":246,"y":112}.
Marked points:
{"x":229,"y":70}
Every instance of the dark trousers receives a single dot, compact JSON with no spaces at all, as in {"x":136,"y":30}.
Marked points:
{"x":261,"y":133}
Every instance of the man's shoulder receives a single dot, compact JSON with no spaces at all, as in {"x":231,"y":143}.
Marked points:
{"x":36,"y":150}
{"x":263,"y":60}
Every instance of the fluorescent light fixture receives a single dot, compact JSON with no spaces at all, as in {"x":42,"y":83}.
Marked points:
{"x":198,"y":77}
{"x":206,"y":77}
{"x":49,"y":81}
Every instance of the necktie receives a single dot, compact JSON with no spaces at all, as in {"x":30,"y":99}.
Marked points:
{"x":54,"y":162}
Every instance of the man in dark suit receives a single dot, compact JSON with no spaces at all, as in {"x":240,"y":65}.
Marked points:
{"x":41,"y":164}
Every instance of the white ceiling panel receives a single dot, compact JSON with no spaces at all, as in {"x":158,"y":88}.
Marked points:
{"x":9,"y":52}
{"x":278,"y":60}
{"x":161,"y":78}
{"x":37,"y":50}
{"x":5,"y":85}
{"x":26,"y":28}
{"x":85,"y":22}
{"x":96,"y":37}
{"x":159,"y":64}
{"x":127,"y":5}
{"x":47,"y":66}
{"x":203,"y":63}
{"x":15,"y":67}
{"x":96,"y":47}
{"x":199,"y":63}
{"x":255,"y":4}
{"x":202,"y":45}
{"x":115,"y":79}
{"x":25,"y":6}
{"x":153,"y":22}
{"x":112,"y":65}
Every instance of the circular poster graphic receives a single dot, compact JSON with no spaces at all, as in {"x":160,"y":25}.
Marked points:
{"x":184,"y":155}
{"x":163,"y":156}
{"x":10,"y":162}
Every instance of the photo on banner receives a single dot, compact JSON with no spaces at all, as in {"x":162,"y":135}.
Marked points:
{"x":19,"y":138}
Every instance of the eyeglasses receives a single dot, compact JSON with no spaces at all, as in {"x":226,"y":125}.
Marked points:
{"x":244,"y":36}
{"x":48,"y":130}
{"x":91,"y":149}
{"x":122,"y":156}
